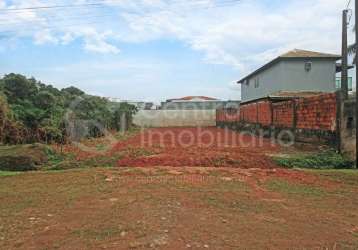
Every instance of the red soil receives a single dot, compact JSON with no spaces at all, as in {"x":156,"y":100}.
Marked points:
{"x":204,"y":147}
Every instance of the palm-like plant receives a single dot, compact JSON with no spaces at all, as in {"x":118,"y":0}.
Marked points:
{"x":352,"y":49}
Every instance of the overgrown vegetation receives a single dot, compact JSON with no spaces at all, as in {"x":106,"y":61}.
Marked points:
{"x":33,"y":114}
{"x":323,"y":160}
{"x":24,"y":157}
{"x":29,"y":157}
{"x":31,"y":111}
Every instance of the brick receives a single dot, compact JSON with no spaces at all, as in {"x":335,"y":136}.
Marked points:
{"x":317,"y":112}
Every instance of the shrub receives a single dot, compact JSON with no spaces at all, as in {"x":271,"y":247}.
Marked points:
{"x":324,"y":160}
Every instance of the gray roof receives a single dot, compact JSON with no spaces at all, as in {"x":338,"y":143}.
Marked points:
{"x":294,"y":54}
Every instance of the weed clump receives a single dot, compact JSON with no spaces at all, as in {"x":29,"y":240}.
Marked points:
{"x":325,"y":160}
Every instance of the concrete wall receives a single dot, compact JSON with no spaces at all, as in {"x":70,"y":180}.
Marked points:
{"x":175,"y":118}
{"x":200,"y":105}
{"x":290,"y":75}
{"x":348,"y":129}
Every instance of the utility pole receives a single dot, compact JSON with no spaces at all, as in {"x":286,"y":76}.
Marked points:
{"x":344,"y":73}
{"x":356,"y":50}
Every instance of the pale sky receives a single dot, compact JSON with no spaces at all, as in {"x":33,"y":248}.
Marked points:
{"x":159,"y":49}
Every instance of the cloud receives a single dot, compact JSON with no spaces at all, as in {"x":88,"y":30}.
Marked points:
{"x":242,"y":35}
{"x":44,"y":36}
{"x":57,"y":26}
{"x":96,"y":41}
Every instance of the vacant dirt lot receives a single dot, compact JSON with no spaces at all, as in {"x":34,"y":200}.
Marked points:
{"x":181,"y":191}
{"x":200,"y":147}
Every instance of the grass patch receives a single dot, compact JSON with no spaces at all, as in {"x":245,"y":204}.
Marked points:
{"x":286,"y":187}
{"x":98,"y":234}
{"x":105,"y":161}
{"x":323,"y":160}
{"x":346,"y":176}
{"x":8,"y":173}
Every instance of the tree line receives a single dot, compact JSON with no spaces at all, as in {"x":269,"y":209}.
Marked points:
{"x":31,"y":111}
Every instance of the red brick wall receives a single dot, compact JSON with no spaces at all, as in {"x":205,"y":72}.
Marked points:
{"x":248,"y":113}
{"x":316,"y":113}
{"x":265,"y":113}
{"x":283,"y":114}
{"x":259,"y":112}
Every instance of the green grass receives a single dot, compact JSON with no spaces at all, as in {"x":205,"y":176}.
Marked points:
{"x":285,"y":187}
{"x":98,"y":161}
{"x":323,"y":160}
{"x":8,"y":173}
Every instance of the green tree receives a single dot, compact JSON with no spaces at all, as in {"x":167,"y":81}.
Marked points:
{"x":45,"y":100}
{"x":95,"y":111}
{"x":11,"y":131}
{"x":17,"y":87}
{"x":73,"y":91}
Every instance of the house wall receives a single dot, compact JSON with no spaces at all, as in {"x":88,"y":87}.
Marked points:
{"x":269,"y":80}
{"x":290,"y":75}
{"x":322,"y":76}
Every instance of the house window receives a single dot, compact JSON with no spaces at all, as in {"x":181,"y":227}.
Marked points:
{"x":257,"y":83}
{"x":308,"y":66}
